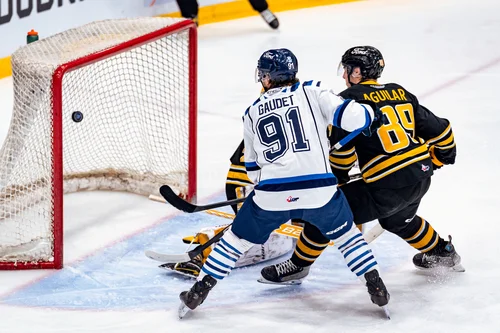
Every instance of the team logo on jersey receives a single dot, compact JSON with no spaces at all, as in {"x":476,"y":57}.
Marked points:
{"x":425,"y":168}
{"x":292,"y":199}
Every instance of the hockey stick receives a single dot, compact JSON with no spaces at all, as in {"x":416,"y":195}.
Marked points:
{"x":184,"y":257}
{"x":169,"y":195}
{"x":181,"y":204}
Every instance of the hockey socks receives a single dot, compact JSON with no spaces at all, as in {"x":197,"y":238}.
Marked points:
{"x":420,"y":235}
{"x":223,"y":258}
{"x":309,"y":247}
{"x":357,"y":254}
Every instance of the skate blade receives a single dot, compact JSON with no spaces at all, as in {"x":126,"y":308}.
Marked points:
{"x":440,"y":269}
{"x":284,"y":283}
{"x":458,"y":268}
{"x":183,"y":310}
{"x":386,"y":311}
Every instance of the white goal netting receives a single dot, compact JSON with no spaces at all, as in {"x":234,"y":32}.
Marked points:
{"x":133,"y":135}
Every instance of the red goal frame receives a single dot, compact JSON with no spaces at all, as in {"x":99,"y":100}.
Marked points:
{"x":57,"y":130}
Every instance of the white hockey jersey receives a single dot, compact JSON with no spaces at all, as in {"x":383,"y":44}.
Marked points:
{"x":286,"y":144}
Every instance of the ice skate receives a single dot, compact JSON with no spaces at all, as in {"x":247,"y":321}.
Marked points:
{"x":270,"y":18}
{"x":443,"y":256}
{"x":193,"y":298}
{"x":377,"y":290}
{"x":285,"y":272}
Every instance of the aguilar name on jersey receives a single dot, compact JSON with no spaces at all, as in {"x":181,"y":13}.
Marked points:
{"x":286,"y":146}
{"x":409,"y":143}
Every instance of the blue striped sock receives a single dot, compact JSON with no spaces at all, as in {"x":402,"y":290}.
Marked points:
{"x":223,"y":257}
{"x":357,"y":254}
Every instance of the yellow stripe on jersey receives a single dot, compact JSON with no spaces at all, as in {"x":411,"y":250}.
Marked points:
{"x":447,"y":141}
{"x":433,"y":141}
{"x":237,"y":183}
{"x":343,"y":161}
{"x":392,"y":170}
{"x":372,"y":161}
{"x":446,"y":147}
{"x":343,"y":153}
{"x":238,"y":167}
{"x":443,"y":142}
{"x":237,"y":176}
{"x":395,"y":161}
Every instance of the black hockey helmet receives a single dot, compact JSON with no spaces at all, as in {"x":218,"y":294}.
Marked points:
{"x":367,"y":58}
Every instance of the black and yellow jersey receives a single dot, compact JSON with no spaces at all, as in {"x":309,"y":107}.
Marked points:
{"x":403,"y":150}
{"x":237,"y":175}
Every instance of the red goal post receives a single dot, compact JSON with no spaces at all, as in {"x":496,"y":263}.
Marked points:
{"x":110,"y":105}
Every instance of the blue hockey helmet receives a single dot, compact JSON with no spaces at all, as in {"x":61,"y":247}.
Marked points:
{"x":280,"y":65}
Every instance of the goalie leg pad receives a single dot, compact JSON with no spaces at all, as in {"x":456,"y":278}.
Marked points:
{"x":276,"y":246}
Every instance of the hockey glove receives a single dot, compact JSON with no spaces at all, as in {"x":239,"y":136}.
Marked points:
{"x":378,"y":120}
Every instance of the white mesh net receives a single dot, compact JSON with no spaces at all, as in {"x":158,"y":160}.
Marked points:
{"x":134,"y":135}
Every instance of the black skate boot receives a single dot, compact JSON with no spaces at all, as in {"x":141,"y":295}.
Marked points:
{"x":284,"y":273}
{"x":270,"y":18}
{"x":193,"y":298}
{"x":377,"y":290}
{"x":441,"y":256}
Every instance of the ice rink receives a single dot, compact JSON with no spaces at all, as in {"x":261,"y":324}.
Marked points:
{"x":446,"y":52}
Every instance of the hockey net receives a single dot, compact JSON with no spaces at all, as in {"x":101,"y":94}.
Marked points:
{"x":133,"y":83}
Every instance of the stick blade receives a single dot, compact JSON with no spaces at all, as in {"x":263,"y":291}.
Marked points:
{"x":172,"y":198}
{"x":168,"y":258}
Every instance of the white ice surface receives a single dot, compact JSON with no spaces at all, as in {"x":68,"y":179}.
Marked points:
{"x":447,"y":52}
